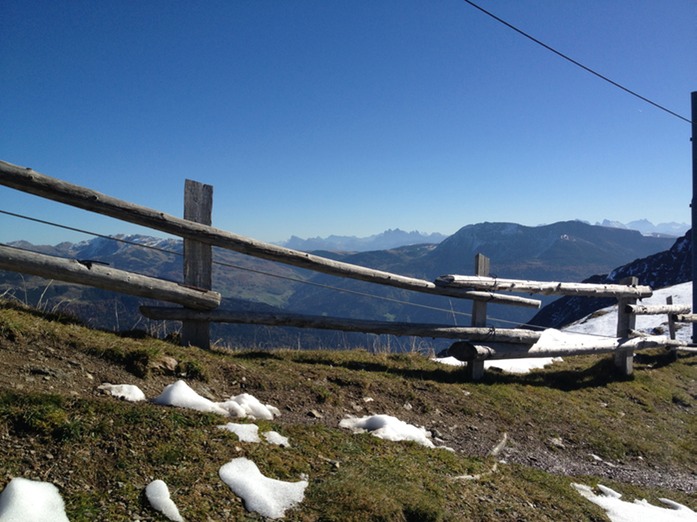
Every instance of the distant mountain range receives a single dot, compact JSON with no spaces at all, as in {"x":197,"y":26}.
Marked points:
{"x":391,"y":238}
{"x":565,"y":251}
{"x":395,"y":238}
{"x":661,"y":270}
{"x":647,"y":228}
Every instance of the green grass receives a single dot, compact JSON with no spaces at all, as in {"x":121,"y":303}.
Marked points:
{"x":102,"y":452}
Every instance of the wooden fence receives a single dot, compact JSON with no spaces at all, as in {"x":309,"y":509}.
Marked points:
{"x":199,"y":302}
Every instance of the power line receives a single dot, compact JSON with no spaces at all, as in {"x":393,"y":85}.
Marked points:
{"x":578,"y":64}
{"x":246,"y":269}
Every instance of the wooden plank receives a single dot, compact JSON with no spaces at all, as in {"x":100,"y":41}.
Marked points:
{"x":496,"y":284}
{"x":105,"y":277}
{"x":32,"y":182}
{"x":686,"y":318}
{"x":481,"y":351}
{"x":658,"y":309}
{"x":198,"y":257}
{"x":626,"y":322}
{"x":475,"y":368}
{"x":517,"y":335}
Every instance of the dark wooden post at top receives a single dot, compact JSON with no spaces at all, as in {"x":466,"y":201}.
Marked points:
{"x":693,"y":233}
{"x":482,"y":264}
{"x":626,"y":322}
{"x":198,"y":258}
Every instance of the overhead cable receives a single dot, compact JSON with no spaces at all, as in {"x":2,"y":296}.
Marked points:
{"x":578,"y":64}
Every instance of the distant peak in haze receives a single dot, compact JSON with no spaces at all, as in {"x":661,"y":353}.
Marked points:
{"x":391,"y":238}
{"x":649,"y":229}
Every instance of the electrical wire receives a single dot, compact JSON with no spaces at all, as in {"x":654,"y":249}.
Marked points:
{"x":578,"y":64}
{"x":252,"y":270}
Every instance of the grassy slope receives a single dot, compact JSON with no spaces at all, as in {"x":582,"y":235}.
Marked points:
{"x":101,"y":452}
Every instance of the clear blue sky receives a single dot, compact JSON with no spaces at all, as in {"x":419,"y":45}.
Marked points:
{"x":316,"y":117}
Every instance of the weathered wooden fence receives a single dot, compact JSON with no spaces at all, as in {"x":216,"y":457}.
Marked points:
{"x":199,"y":302}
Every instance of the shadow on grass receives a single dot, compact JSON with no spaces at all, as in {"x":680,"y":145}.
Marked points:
{"x":597,"y":374}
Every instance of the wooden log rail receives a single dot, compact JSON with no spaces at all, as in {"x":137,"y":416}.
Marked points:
{"x":686,"y":318}
{"x":105,"y":277}
{"x":32,"y":182}
{"x":511,"y":335}
{"x":476,"y":351}
{"x":658,"y":309}
{"x":495,"y":284}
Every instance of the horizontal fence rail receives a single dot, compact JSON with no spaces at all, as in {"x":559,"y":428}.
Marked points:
{"x":32,"y":182}
{"x":199,"y":303}
{"x":542,"y":287}
{"x":104,"y":277}
{"x":515,"y":335}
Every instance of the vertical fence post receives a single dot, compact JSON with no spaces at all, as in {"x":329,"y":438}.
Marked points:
{"x":626,"y":321}
{"x":482,"y":266}
{"x":693,"y":232}
{"x":198,"y":207}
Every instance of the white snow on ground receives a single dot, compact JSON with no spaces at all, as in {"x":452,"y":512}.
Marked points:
{"x":245,"y":405}
{"x":620,"y":511}
{"x":276,"y":438}
{"x":25,"y":500}
{"x":129,"y":392}
{"x":388,"y":428}
{"x":604,"y":322}
{"x":157,"y":494}
{"x":181,"y":395}
{"x":268,"y":497}
{"x":244,"y":432}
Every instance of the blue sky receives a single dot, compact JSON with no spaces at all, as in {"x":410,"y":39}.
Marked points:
{"x":320,"y":117}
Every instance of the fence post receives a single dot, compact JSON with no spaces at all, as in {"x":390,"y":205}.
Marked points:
{"x":198,"y":207}
{"x":482,"y":266}
{"x":626,"y":321}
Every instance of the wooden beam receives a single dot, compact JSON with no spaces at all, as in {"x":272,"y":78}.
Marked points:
{"x":686,"y":318}
{"x":496,"y":284}
{"x":626,"y":322}
{"x":658,"y":309}
{"x":198,"y":258}
{"x":101,"y":276}
{"x":347,"y":325}
{"x":481,"y":351}
{"x":482,"y":267}
{"x":32,"y":182}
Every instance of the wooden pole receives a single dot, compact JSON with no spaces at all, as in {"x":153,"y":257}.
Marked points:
{"x":668,"y":308}
{"x":626,"y":321}
{"x":198,"y":259}
{"x":694,"y":211}
{"x":475,"y":367}
{"x":32,"y":182}
{"x":321,"y":322}
{"x":496,"y":284}
{"x":481,"y":351}
{"x":92,"y":273}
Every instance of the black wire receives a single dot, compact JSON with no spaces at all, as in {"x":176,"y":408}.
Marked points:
{"x":578,"y":64}
{"x":237,"y":267}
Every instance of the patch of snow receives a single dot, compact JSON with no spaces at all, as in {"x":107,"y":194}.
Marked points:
{"x":268,"y":497}
{"x":128,"y":392}
{"x":604,"y":321}
{"x":388,"y":428}
{"x":181,"y":395}
{"x":620,"y":511}
{"x":244,"y":432}
{"x":25,"y":500}
{"x":246,"y":405}
{"x":157,"y":494}
{"x":273,"y":437}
